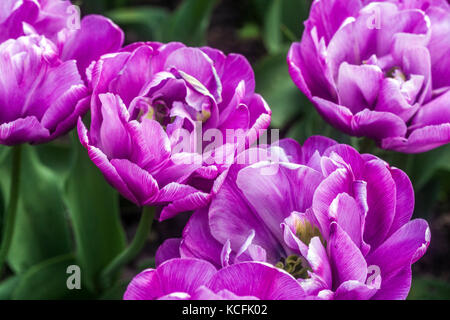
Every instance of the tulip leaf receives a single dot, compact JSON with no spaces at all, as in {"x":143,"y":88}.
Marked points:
{"x":7,"y":287}
{"x":116,"y":292}
{"x":146,"y":21}
{"x":94,"y":209}
{"x":275,"y":85}
{"x":425,"y":165}
{"x":49,"y":280}
{"x":429,"y":288}
{"x":272,"y":30}
{"x":189,"y":23}
{"x":42,"y":227}
{"x":283,"y":21}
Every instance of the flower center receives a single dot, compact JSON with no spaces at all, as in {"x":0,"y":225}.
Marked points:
{"x":294,"y":265}
{"x":157,"y":111}
{"x":306,"y":231}
{"x":397,"y":74}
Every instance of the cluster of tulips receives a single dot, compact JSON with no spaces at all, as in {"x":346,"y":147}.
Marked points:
{"x":276,"y":220}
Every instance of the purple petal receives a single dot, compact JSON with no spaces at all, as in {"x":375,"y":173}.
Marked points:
{"x":346,"y":259}
{"x":22,"y":131}
{"x":373,"y":124}
{"x":170,"y":249}
{"x":420,"y":140}
{"x":257,"y":279}
{"x":354,"y":290}
{"x":140,"y":183}
{"x":98,"y":35}
{"x":405,"y":200}
{"x":401,"y":249}
{"x":198,"y":241}
{"x":381,"y":201}
{"x":358,"y":86}
{"x":173,"y":276}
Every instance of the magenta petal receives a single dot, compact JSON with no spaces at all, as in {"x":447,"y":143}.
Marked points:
{"x":173,"y":276}
{"x":340,"y":181}
{"x":405,"y":200}
{"x":381,"y":201}
{"x":115,"y":138}
{"x":195,"y":63}
{"x":339,"y":116}
{"x":198,"y":241}
{"x":328,"y":16}
{"x":191,"y":202}
{"x":236,"y":69}
{"x":318,"y":260}
{"x":151,"y":145}
{"x":354,"y":290}
{"x":397,"y":287}
{"x":291,"y":188}
{"x":102,"y":162}
{"x":348,"y":214}
{"x":170,"y":249}
{"x":420,"y":140}
{"x":143,"y":186}
{"x":257,"y":279}
{"x":401,"y":249}
{"x":98,"y":35}
{"x":134,"y":75}
{"x":439,"y":45}
{"x":434,"y":113}
{"x":373,"y":124}
{"x":22,"y":131}
{"x":358,"y":86}
{"x":346,"y":259}
{"x":315,"y":144}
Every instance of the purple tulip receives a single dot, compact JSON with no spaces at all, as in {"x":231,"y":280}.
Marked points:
{"x":336,"y":220}
{"x":379,"y":69}
{"x":194,"y":279}
{"x":149,"y":100}
{"x":43,"y":63}
{"x":83,"y":40}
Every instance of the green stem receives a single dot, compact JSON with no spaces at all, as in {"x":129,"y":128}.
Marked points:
{"x":143,"y":230}
{"x":10,"y":217}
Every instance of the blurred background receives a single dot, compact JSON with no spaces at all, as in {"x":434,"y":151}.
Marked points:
{"x":262,"y":31}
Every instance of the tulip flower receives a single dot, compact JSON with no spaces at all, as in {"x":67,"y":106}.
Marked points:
{"x":195,"y":279}
{"x":378,"y":70}
{"x":337,"y":221}
{"x":152,"y":103}
{"x":83,"y":40}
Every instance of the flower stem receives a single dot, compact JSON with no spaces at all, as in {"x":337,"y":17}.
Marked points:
{"x":10,"y":217}
{"x":143,"y":230}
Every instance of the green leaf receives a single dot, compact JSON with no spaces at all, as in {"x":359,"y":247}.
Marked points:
{"x":425,"y":165}
{"x":42,"y":228}
{"x":57,"y":155}
{"x":429,"y":288}
{"x":94,"y":209}
{"x":7,"y":287}
{"x":294,"y":13}
{"x":189,"y":23}
{"x":275,"y":85}
{"x":116,"y":292}
{"x":272,"y":27}
{"x":48,"y":281}
{"x":282,"y":20}
{"x":147,"y":21}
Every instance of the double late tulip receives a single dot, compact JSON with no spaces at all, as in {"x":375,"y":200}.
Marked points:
{"x":43,"y":57}
{"x":195,"y":279}
{"x":379,"y":69}
{"x":337,"y":221}
{"x":154,"y":107}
